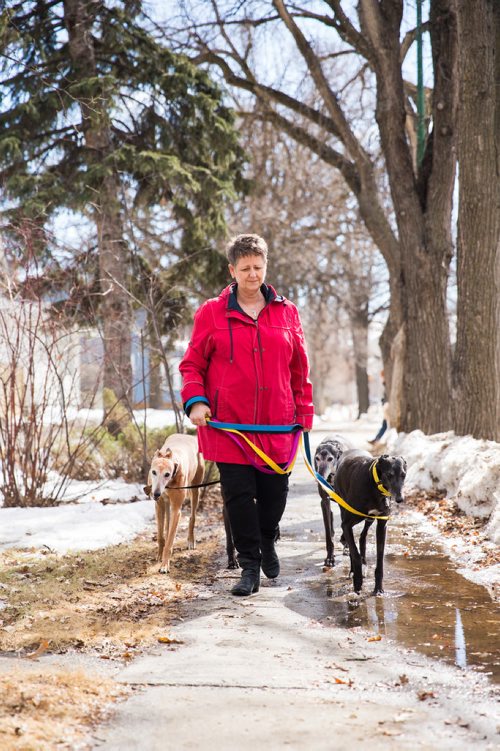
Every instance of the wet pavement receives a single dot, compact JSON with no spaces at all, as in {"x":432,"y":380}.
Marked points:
{"x":427,"y":604}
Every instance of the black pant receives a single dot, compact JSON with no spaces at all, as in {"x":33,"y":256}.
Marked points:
{"x":382,"y":430}
{"x":255,"y":502}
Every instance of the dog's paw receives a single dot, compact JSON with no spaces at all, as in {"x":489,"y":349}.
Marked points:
{"x":329,"y":563}
{"x":232,"y":564}
{"x":191,"y":544}
{"x":164,"y":570}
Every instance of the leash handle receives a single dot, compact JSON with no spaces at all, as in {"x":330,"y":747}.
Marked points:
{"x":251,"y":428}
{"x":326,"y":485}
{"x":201,"y":485}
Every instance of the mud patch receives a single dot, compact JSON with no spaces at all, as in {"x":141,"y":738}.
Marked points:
{"x":110,"y":600}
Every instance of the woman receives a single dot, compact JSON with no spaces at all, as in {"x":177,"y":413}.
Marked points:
{"x":246,"y":363}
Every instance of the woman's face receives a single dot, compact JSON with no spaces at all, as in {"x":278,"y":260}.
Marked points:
{"x":249,"y":272}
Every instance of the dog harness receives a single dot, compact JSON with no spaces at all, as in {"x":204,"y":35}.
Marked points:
{"x":375,"y":476}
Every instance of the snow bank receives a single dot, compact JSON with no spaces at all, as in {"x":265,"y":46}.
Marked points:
{"x":86,"y":526}
{"x":468,"y":470}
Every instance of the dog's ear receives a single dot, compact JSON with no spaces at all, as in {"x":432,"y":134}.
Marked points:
{"x":165,"y":454}
{"x":147,"y":490}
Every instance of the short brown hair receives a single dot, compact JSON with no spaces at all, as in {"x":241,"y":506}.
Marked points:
{"x":245,"y":245}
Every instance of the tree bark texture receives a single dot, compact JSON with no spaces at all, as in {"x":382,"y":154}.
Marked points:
{"x":115,"y":310}
{"x":477,"y":371}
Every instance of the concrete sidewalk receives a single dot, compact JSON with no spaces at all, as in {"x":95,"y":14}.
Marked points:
{"x":261,"y":672}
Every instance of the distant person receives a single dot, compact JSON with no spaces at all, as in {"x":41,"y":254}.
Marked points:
{"x":247,"y":363}
{"x":385,"y":415}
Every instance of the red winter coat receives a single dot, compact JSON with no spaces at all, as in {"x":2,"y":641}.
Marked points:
{"x":248,"y":372}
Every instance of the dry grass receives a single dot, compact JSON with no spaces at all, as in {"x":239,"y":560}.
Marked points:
{"x":109,"y":602}
{"x":42,"y":710}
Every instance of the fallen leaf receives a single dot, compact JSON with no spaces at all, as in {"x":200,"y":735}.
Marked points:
{"x":41,"y":649}
{"x":375,"y":638}
{"x":168,"y":640}
{"x":344,"y":683}
{"x":403,"y":679}
{"x":423,"y":695}
{"x":178,"y":587}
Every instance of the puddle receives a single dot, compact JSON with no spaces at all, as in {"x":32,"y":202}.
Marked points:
{"x":427,"y":605}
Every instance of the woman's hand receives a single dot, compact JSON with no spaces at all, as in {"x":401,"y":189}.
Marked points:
{"x":199,"y":413}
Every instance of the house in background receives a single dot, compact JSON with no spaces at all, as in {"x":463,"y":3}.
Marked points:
{"x":150,"y":386}
{"x":39,"y":360}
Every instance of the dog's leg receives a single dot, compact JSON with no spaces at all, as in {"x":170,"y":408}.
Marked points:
{"x":379,"y":570}
{"x":195,"y":493}
{"x":160,"y":525}
{"x":326,"y":508}
{"x":230,"y":549}
{"x":176,"y":498}
{"x":362,"y":540}
{"x":345,"y":546}
{"x":356,"y":568}
{"x":232,"y":561}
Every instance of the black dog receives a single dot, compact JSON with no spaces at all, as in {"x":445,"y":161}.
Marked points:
{"x":360,"y":480}
{"x":326,"y":460}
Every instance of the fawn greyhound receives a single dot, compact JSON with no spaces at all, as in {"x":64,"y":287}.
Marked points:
{"x":176,"y":465}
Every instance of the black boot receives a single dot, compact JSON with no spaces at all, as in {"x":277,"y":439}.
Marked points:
{"x":250,"y":576}
{"x":248,"y":584}
{"x":270,"y":561}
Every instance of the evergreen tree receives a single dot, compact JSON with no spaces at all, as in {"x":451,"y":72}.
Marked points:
{"x":96,"y":113}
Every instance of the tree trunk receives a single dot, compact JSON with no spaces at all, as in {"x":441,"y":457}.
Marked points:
{"x":476,"y":366}
{"x":391,"y":344}
{"x":359,"y":331}
{"x":423,"y":215}
{"x":155,"y":369}
{"x":115,"y":308}
{"x":427,"y":354}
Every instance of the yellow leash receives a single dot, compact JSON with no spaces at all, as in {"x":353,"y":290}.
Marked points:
{"x":265,"y":458}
